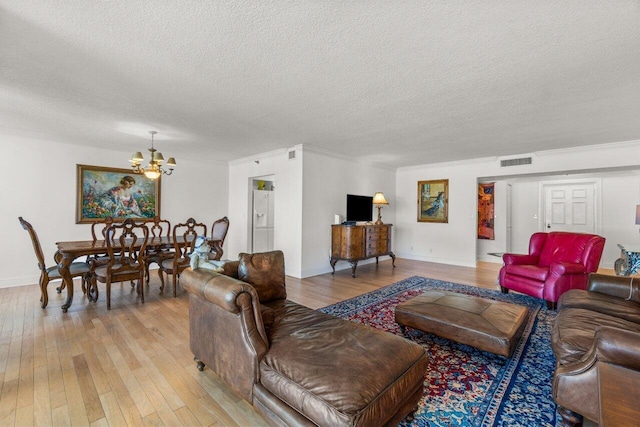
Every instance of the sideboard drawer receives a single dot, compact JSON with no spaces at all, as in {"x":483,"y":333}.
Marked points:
{"x":376,"y":248}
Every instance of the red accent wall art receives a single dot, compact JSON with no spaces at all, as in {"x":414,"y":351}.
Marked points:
{"x":485,"y":211}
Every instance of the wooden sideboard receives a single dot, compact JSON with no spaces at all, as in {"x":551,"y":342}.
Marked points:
{"x":353,"y":243}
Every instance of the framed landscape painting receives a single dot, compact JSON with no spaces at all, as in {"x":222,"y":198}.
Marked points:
{"x":118,"y":193}
{"x":433,"y":201}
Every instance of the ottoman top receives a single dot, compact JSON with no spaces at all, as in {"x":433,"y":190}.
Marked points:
{"x":487,"y":324}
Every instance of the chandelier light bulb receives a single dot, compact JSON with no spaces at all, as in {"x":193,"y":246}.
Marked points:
{"x":154,"y":169}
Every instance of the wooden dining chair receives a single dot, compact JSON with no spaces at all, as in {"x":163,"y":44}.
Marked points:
{"x":218,"y":234}
{"x":184,"y":236}
{"x":98,"y":232}
{"x":126,"y":245}
{"x":76,"y":269}
{"x":157,"y":228}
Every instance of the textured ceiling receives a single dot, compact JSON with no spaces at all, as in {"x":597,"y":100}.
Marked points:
{"x":395,"y":83}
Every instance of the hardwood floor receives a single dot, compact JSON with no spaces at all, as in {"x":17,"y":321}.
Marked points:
{"x":132,"y":365}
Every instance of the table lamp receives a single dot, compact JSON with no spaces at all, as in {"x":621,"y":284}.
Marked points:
{"x":379,"y":200}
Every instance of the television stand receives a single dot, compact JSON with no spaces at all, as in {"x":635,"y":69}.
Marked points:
{"x":358,"y":242}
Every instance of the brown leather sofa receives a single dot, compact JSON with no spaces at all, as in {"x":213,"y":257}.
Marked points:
{"x":594,"y":326}
{"x":295,"y":365}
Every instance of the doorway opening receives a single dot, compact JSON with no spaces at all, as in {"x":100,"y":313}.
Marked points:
{"x":261,"y":211}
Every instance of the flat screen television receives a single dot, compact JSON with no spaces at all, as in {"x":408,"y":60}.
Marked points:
{"x":359,"y":208}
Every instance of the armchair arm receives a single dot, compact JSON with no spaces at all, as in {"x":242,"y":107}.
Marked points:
{"x":618,"y":346}
{"x":562,"y":268}
{"x":520,"y":259}
{"x":615,"y":286}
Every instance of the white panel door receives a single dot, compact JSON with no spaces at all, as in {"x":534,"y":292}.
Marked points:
{"x":570,"y":207}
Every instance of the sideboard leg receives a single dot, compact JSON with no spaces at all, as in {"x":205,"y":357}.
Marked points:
{"x":333,"y":264}
{"x":354,"y":264}
{"x":393,"y":259}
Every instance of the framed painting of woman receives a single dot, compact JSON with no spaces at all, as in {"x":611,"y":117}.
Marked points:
{"x":112,"y":192}
{"x":433,"y":201}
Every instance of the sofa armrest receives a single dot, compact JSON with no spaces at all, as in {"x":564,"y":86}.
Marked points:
{"x":618,"y":346}
{"x":216,"y":288}
{"x":615,"y":286}
{"x":520,"y":259}
{"x":575,"y":385}
{"x":226,"y":329}
{"x":562,"y":268}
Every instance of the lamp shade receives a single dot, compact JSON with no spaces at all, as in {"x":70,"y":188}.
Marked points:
{"x":637,"y":214}
{"x":378,"y":199}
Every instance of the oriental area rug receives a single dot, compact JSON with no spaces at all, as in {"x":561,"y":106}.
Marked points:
{"x":465,"y":386}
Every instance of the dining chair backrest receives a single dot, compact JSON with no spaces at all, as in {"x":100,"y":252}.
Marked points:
{"x":35,"y":242}
{"x":184,"y":237}
{"x":218,"y":234}
{"x":159,"y":227}
{"x":126,"y":245}
{"x":219,"y":229}
{"x":100,"y":226}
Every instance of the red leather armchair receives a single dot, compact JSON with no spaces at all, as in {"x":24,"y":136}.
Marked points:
{"x":557,"y":262}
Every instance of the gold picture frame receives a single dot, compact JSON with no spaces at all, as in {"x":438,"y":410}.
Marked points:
{"x":118,"y":193}
{"x":433,"y":200}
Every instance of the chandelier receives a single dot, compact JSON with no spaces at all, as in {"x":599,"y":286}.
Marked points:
{"x":154,"y":168}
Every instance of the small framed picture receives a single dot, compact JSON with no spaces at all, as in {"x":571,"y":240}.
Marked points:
{"x":118,"y":193}
{"x":433,"y":201}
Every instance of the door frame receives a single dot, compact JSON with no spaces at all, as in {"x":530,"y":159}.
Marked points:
{"x":597,"y":200}
{"x":252,"y":181}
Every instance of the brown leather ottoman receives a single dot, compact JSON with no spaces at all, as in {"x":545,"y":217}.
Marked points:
{"x":488,"y":325}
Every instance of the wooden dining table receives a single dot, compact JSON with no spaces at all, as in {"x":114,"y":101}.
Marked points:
{"x":74,"y":249}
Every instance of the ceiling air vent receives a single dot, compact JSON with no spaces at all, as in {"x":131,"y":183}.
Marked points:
{"x":292,"y":155}
{"x":515,"y":162}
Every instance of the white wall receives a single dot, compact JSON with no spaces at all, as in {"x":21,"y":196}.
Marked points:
{"x":327,"y":181}
{"x":455,"y":242}
{"x":287,"y":176}
{"x":39,"y":184}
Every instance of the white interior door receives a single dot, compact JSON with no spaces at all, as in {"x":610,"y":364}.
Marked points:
{"x":570,"y":207}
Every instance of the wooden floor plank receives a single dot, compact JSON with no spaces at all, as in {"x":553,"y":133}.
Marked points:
{"x":8,"y":402}
{"x":60,"y":416}
{"x":41,"y":398}
{"x":113,"y":414}
{"x":163,"y":409}
{"x":126,"y":387}
{"x":24,"y":416}
{"x":88,"y":390}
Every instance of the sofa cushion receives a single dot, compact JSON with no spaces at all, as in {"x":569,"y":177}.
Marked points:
{"x":601,"y":303}
{"x":574,"y":331}
{"x":268,"y":316}
{"x":265,"y":272}
{"x":303,"y":367}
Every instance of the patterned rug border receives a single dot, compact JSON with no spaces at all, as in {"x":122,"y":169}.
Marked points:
{"x":493,"y":407}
